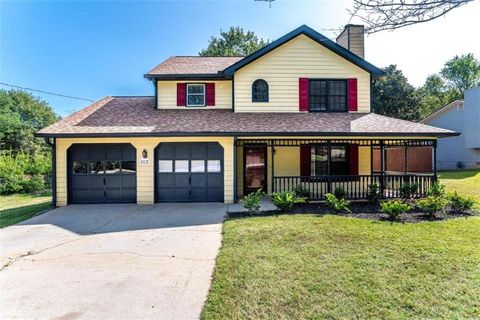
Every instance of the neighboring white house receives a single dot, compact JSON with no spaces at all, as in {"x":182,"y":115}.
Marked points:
{"x":462,"y":116}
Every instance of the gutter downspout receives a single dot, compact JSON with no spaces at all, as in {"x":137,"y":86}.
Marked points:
{"x":235,"y":196}
{"x":54,"y":169}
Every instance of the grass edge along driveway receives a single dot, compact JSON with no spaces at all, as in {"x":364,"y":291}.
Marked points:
{"x":19,"y":207}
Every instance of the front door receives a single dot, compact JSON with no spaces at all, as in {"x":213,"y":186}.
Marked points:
{"x":255,"y":168}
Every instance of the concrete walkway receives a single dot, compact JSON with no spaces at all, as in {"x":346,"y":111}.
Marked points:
{"x":110,"y":262}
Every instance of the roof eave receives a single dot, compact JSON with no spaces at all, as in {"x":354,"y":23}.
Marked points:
{"x":186,"y":76}
{"x":210,"y":133}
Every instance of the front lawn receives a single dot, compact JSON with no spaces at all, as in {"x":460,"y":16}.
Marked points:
{"x":332,"y":267}
{"x":465,"y":182}
{"x":19,"y":207}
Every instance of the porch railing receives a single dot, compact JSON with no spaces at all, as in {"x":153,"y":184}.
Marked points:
{"x":356,"y":187}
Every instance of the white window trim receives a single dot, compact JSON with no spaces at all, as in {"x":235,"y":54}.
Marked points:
{"x":196,"y":94}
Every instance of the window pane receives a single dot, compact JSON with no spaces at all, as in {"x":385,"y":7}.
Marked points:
{"x":194,"y":100}
{"x":195,"y":88}
{"x":165,"y":166}
{"x":338,"y":88}
{"x":129,"y":166}
{"x":339,"y":154}
{"x":214,"y":166}
{"x":181,"y":165}
{"x":96,"y":167}
{"x":319,"y":160}
{"x":198,"y":165}
{"x":80,"y":167}
{"x":112,"y":167}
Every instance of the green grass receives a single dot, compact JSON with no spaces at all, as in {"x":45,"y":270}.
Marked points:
{"x":331,"y":267}
{"x":465,"y":182}
{"x":19,"y":207}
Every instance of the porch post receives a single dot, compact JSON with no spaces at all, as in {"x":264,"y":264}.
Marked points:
{"x":235,"y":193}
{"x":405,"y":150}
{"x":382,"y":168}
{"x":434,"y":160}
{"x":272,"y":150}
{"x":329,"y":155}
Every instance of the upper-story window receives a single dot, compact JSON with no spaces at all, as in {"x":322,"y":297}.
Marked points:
{"x":195,"y":95}
{"x":260,"y":91}
{"x":328,"y":95}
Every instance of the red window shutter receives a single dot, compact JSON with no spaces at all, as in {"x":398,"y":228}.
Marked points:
{"x":305,"y":160}
{"x":303,"y":89}
{"x":352,"y":95}
{"x":210,"y":94}
{"x":353,"y":158}
{"x":181,"y":94}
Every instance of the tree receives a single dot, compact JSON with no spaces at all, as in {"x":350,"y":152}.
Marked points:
{"x":21,"y":115}
{"x":435,"y":94}
{"x":393,"y":96}
{"x":379,"y":15}
{"x":456,"y":76}
{"x":462,"y":73}
{"x":234,"y":42}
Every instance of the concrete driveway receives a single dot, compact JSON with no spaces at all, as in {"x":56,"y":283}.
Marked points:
{"x":110,"y":262}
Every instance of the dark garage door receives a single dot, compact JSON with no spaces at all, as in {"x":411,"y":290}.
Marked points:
{"x":189,"y":172}
{"x":102,"y":173}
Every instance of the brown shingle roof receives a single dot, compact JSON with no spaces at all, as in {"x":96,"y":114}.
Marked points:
{"x":130,"y":116}
{"x":193,"y":65}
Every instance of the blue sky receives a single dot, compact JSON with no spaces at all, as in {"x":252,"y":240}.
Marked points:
{"x":93,"y":49}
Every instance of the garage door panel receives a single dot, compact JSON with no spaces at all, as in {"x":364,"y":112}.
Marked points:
{"x":215,"y":152}
{"x":113,"y":152}
{"x":188,"y":166}
{"x":165,"y":194}
{"x":129,"y":154}
{"x":81,"y":181}
{"x":198,"y":152}
{"x":181,"y":180}
{"x":199,"y":181}
{"x":214,"y":180}
{"x":99,"y":173}
{"x":198,"y":195}
{"x":129,"y":181}
{"x":113,"y":181}
{"x":97,"y":153}
{"x":182,"y":194}
{"x":215,"y":194}
{"x":165,"y":180}
{"x":129,"y":195}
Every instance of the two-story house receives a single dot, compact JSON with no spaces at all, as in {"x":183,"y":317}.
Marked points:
{"x":296,"y":112}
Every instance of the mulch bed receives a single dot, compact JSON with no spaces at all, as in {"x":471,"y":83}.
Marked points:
{"x":359,"y":210}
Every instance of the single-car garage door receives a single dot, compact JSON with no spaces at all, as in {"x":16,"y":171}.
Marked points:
{"x":102,"y":173}
{"x":189,"y":172}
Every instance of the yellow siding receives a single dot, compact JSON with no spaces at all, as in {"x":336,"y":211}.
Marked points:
{"x":364,"y":160}
{"x":145,"y":173}
{"x":282,"y":67}
{"x":167,"y":94}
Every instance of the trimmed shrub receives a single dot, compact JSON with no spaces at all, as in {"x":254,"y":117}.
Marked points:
{"x":302,"y":191}
{"x":285,"y":200}
{"x":340,"y":193}
{"x":337,"y":204}
{"x":394,"y":208}
{"x":251,"y":202}
{"x":432,"y":204}
{"x":459,"y":203}
{"x":436,"y":190}
{"x":373,"y":194}
{"x":408,"y":190}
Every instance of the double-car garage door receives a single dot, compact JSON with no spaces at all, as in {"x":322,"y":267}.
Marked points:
{"x":107,"y":173}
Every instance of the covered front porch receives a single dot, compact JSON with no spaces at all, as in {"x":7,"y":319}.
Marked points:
{"x":320,"y":165}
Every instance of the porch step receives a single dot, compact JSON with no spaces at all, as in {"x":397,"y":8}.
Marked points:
{"x":265,"y":205}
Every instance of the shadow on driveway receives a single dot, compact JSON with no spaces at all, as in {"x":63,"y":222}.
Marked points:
{"x":104,"y":218}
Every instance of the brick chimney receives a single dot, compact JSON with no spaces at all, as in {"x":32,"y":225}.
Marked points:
{"x":352,"y":38}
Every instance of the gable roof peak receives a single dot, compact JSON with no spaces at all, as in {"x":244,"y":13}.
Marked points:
{"x":315,"y":36}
